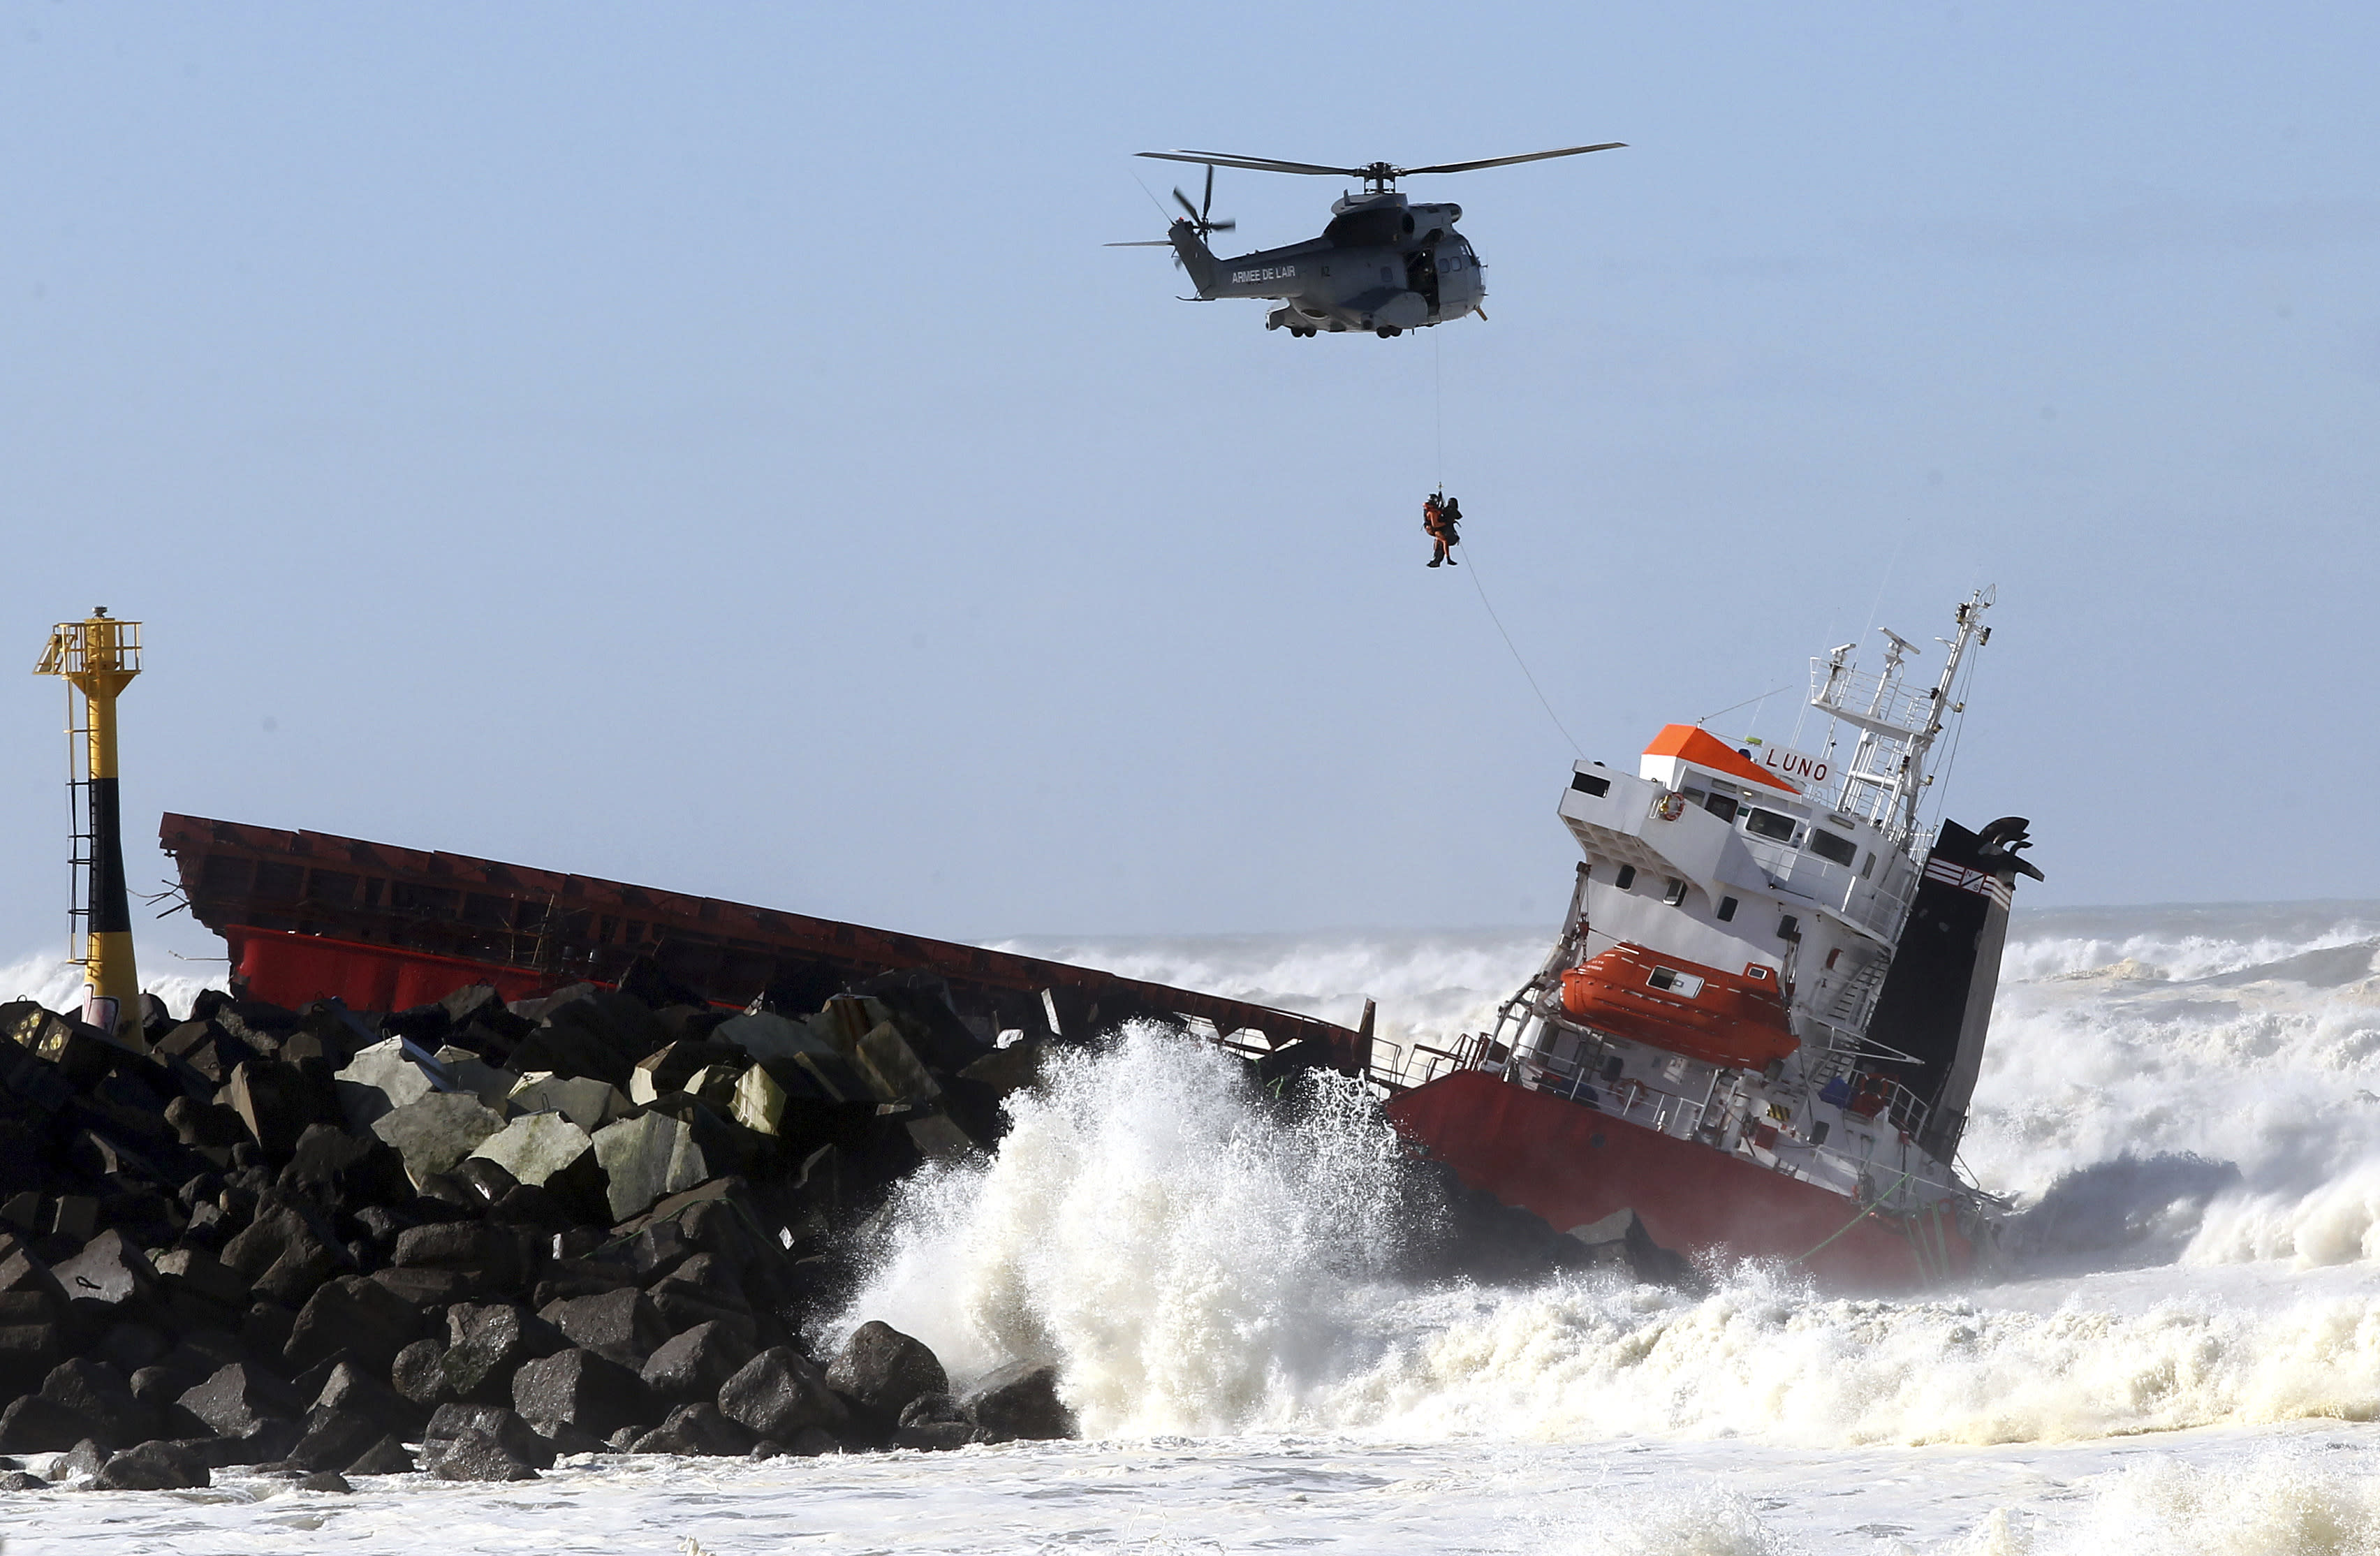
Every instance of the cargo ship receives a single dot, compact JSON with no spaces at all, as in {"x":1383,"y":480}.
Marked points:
{"x":381,"y":927}
{"x":1761,"y":1023}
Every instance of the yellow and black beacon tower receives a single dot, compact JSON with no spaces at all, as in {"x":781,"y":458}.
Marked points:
{"x":99,"y":657}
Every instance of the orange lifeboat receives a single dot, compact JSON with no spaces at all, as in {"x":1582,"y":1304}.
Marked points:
{"x":1735,"y":1019}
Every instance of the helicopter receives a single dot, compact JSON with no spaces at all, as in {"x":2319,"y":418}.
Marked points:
{"x":1383,"y":264}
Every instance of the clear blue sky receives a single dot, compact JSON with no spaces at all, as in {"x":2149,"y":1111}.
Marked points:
{"x":708,"y":446}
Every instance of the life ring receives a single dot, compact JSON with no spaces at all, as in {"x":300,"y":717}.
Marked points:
{"x":1669,"y":806}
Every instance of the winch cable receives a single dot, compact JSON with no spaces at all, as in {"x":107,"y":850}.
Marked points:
{"x":1473,"y":567}
{"x":1438,"y":419}
{"x":1437,"y":402}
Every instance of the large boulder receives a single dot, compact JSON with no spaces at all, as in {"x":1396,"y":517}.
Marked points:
{"x":334,"y":1439}
{"x":109,"y":1273}
{"x":152,"y":1466}
{"x":99,"y":1395}
{"x":28,"y":1352}
{"x":581,"y":1389}
{"x":1019,"y":1401}
{"x":487,"y":1343}
{"x":490,"y":1254}
{"x":239,"y":1399}
{"x":37,"y":1424}
{"x":475,"y":1453}
{"x":694,"y":1364}
{"x":622,"y":1325}
{"x":286,"y":1253}
{"x":437,"y":1132}
{"x":883,"y":1370}
{"x":697,"y":1429}
{"x":347,"y":1170}
{"x":206,"y":1048}
{"x":276,"y":1101}
{"x":359,"y":1391}
{"x":518,"y":1438}
{"x":419,"y":1374}
{"x":354,"y":1317}
{"x":777,"y":1394}
{"x":193,"y":1274}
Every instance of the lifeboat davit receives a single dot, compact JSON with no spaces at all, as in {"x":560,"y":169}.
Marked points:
{"x":1735,"y":1019}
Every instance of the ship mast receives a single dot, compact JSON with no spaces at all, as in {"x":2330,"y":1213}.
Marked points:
{"x":1898,"y":722}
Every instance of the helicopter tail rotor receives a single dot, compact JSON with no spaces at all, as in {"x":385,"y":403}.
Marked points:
{"x":1200,"y":218}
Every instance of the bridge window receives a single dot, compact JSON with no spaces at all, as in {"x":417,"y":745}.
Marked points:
{"x":1588,"y":784}
{"x":1722,"y":806}
{"x":1768,"y":823}
{"x":1626,"y":878}
{"x":1827,"y":846}
{"x":1725,"y":909}
{"x":1676,"y":893}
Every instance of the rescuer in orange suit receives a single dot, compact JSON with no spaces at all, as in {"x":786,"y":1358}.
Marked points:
{"x":1438,"y":517}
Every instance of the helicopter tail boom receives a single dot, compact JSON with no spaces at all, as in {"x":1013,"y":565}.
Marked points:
{"x":1196,"y":258}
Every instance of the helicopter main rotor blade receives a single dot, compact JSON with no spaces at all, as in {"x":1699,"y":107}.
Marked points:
{"x":1506,"y":162}
{"x":1144,"y":243}
{"x":1259,"y":164}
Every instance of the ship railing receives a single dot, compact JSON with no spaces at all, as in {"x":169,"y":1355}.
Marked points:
{"x":1632,"y":1100}
{"x":1893,"y":1190}
{"x":1875,"y":1183}
{"x":1872,"y":699}
{"x":1422,"y":1063}
{"x":1881,"y":905}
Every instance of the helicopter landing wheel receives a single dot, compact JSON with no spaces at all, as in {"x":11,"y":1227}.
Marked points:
{"x":1388,"y":331}
{"x":1302,"y":335}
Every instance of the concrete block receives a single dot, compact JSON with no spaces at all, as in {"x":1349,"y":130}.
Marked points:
{"x":437,"y":1131}
{"x":886,"y":1061}
{"x":645,"y":1158}
{"x":535,"y":1146}
{"x":387,"y":1076}
{"x":491,"y":1086}
{"x":766,"y":1036}
{"x":759,"y":1102}
{"x":585,"y":1102}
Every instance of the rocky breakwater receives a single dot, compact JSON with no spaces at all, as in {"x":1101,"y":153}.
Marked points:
{"x":469,"y":1237}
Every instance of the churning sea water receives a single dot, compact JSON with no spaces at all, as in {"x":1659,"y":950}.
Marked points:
{"x":2183,"y":1356}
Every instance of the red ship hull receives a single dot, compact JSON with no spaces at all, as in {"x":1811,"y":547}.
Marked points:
{"x":1574,"y":1165}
